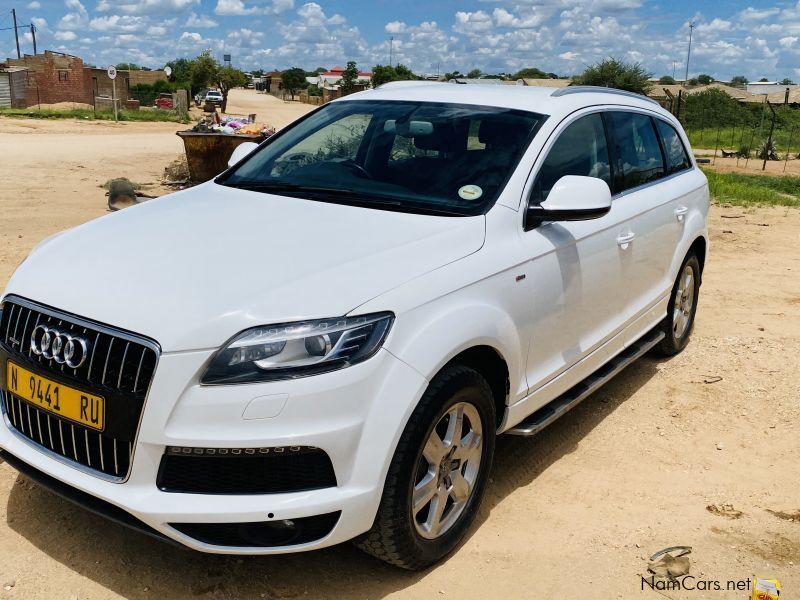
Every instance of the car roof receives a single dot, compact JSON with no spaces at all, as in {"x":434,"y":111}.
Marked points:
{"x":556,"y":102}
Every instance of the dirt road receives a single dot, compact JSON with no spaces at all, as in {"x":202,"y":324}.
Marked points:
{"x":572,"y":513}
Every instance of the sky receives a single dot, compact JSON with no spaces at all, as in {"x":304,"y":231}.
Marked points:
{"x":731,"y":37}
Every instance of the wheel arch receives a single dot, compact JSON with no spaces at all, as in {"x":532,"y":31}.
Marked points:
{"x":492,"y":366}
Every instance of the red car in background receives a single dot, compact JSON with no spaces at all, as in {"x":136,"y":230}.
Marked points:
{"x":165,"y":101}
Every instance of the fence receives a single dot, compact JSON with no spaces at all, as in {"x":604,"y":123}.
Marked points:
{"x":743,"y":134}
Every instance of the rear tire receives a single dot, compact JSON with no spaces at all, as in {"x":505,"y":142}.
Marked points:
{"x":679,"y":322}
{"x":438,"y":474}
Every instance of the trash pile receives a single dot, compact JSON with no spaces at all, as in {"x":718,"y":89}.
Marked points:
{"x":213,"y":123}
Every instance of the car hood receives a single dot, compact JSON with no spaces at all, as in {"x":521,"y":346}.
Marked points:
{"x":194,"y":268}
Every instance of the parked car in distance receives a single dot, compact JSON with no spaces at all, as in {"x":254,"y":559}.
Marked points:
{"x":214,"y":97}
{"x":323,"y":343}
{"x":164,"y":100}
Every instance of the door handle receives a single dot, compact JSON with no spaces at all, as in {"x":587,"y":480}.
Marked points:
{"x":680,"y":212}
{"x":624,"y":239}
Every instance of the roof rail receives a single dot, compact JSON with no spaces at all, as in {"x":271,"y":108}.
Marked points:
{"x":405,"y":83}
{"x":583,"y":89}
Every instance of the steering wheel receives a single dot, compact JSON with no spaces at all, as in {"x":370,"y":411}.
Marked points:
{"x":357,"y":167}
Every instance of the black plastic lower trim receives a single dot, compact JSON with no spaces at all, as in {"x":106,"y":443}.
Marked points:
{"x":262,"y":534}
{"x":87,"y":501}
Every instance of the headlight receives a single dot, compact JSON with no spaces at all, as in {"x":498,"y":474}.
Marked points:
{"x":300,"y":349}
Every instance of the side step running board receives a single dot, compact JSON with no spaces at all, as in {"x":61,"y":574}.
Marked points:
{"x":573,"y":396}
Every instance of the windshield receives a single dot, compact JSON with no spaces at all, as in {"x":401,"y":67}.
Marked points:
{"x":422,"y":157}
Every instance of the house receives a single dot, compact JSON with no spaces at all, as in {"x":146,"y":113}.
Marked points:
{"x":54,"y":77}
{"x":331,"y":79}
{"x":770,"y":87}
{"x":13,"y":84}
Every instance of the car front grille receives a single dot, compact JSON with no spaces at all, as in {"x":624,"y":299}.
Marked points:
{"x":245,"y":470}
{"x":119,"y":367}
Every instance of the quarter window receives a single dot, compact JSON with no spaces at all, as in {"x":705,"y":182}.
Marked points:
{"x":638,"y":152}
{"x":677,"y":159}
{"x":581,"y":149}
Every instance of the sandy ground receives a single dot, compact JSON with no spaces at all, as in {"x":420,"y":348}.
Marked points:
{"x":572,"y":513}
{"x":754,"y":166}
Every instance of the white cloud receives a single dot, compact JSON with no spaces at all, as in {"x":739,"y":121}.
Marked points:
{"x":472,"y":22}
{"x":65,"y":36}
{"x":34,"y":5}
{"x":788,"y":41}
{"x":77,"y":18}
{"x":201,"y":21}
{"x":118,"y":23}
{"x":146,"y":7}
{"x":239,"y":8}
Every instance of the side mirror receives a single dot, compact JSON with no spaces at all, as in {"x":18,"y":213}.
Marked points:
{"x":573,"y":198}
{"x":240,"y":152}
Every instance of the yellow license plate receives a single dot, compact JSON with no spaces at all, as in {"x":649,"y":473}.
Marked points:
{"x":64,"y":401}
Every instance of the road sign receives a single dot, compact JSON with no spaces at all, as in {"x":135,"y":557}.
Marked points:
{"x":167,"y":71}
{"x":112,"y":72}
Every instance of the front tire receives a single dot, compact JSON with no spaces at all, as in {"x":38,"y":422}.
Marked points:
{"x":438,"y":473}
{"x":679,"y":322}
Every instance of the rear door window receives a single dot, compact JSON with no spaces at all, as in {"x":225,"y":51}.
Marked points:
{"x":580,"y":149}
{"x":638,"y":153}
{"x":677,"y":158}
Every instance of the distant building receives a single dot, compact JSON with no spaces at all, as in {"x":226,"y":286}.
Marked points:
{"x":332,"y":79}
{"x":769,"y":87}
{"x":54,"y":77}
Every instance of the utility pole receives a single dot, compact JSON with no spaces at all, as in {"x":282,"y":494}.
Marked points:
{"x":391,"y":48}
{"x":16,"y":33}
{"x":33,"y":35}
{"x":689,"y":53}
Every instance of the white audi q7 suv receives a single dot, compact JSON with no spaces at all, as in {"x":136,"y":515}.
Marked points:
{"x":323,"y":343}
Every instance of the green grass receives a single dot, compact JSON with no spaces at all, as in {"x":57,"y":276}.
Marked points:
{"x":754,"y":190}
{"x":731,"y":138}
{"x":88,"y":113}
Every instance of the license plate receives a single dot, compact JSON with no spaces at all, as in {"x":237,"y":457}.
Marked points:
{"x":56,"y":398}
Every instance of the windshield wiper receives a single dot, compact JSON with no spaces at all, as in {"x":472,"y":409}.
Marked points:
{"x":341,"y":196}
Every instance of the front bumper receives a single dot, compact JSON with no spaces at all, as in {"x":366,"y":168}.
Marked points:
{"x":355,"y":415}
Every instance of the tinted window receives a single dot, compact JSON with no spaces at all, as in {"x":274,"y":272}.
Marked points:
{"x":393,"y":155}
{"x":677,"y":159}
{"x":638,"y":152}
{"x":581,"y":149}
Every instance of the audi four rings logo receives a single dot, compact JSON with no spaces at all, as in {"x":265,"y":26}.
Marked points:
{"x":61,"y":347}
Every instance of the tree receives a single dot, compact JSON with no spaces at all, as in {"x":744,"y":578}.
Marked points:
{"x":454,"y":75}
{"x":530,"y":73}
{"x":349,"y":78}
{"x":763,"y":80}
{"x":693,"y":81}
{"x":294,"y":80}
{"x":203,"y":71}
{"x":384,"y":73}
{"x":474,"y":74}
{"x":704,"y":79}
{"x":128,"y":67}
{"x":666,"y":80}
{"x":740,"y":80}
{"x":228,"y":78}
{"x":787,"y":81}
{"x":181,"y":70}
{"x":615,"y":73}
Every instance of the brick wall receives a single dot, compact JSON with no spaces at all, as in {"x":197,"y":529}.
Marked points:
{"x":101,"y":85}
{"x":53,"y":78}
{"x":146,"y":77}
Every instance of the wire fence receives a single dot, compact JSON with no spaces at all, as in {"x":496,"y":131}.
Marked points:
{"x":742,"y":135}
